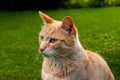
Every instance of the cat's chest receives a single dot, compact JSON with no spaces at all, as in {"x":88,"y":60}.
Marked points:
{"x":51,"y":77}
{"x":68,"y":70}
{"x":75,"y":76}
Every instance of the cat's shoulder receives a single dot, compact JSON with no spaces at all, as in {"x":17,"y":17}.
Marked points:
{"x":94,"y":57}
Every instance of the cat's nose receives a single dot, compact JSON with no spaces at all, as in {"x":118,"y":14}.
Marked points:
{"x":42,"y":49}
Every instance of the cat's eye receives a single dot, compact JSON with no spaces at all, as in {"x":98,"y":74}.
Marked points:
{"x":41,"y":37}
{"x":53,"y":40}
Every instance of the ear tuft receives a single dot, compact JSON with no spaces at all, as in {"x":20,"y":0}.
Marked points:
{"x":46,"y":19}
{"x":68,"y":25}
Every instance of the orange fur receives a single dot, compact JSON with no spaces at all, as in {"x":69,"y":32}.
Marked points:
{"x":64,"y":56}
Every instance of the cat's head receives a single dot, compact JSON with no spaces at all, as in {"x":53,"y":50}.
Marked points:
{"x":57,"y":37}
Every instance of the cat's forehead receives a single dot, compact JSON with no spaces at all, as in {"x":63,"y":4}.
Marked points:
{"x":55,"y":24}
{"x":50,"y":29}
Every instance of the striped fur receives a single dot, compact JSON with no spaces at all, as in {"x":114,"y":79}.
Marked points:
{"x":65,"y":58}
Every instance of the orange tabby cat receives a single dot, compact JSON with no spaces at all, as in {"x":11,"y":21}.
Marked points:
{"x":64,"y":56}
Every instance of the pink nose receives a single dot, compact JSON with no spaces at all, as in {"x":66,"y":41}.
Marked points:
{"x":41,"y":49}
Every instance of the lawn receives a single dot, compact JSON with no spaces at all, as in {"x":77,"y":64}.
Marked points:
{"x":99,"y":31}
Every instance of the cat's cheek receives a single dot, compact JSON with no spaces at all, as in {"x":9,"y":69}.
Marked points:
{"x":64,"y":46}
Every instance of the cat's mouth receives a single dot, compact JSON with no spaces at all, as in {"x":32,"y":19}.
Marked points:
{"x":47,"y":53}
{"x":43,"y":53}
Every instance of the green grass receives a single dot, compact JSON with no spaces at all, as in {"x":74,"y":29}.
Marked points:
{"x":99,"y":31}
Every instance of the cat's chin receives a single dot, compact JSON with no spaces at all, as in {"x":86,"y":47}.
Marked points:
{"x":47,"y":53}
{"x":44,"y":54}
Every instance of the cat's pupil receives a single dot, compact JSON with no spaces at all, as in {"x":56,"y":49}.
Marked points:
{"x":53,"y":40}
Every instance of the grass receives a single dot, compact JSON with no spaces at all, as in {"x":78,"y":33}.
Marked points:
{"x":98,"y":28}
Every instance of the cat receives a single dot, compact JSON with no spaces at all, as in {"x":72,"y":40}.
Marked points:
{"x":64,"y":58}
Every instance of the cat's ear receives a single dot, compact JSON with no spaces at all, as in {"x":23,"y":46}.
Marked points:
{"x":68,"y":25}
{"x":46,"y":19}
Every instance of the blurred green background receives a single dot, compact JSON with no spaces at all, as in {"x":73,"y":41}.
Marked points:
{"x":98,"y":23}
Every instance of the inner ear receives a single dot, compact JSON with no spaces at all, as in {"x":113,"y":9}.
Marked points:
{"x":68,"y":28}
{"x":68,"y":25}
